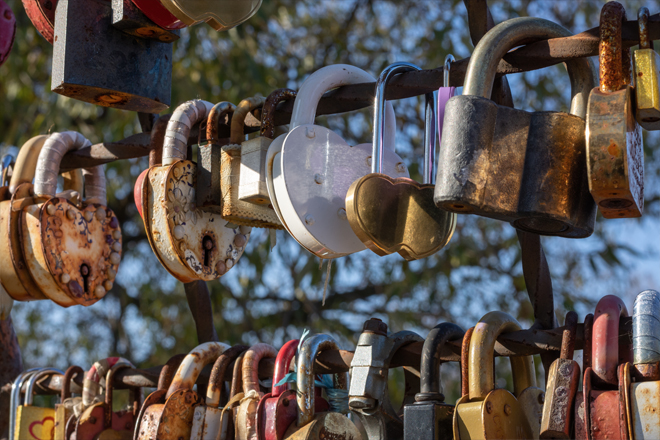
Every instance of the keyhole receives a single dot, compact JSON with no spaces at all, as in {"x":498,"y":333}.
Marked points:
{"x":207,"y":242}
{"x":84,"y":271}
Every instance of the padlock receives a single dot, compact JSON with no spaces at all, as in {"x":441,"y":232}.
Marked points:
{"x":643,"y":393}
{"x":398,"y":214}
{"x":100,"y":64}
{"x":646,"y":63}
{"x":252,"y":182}
{"x":523,"y":167}
{"x":206,"y":420}
{"x":157,"y":397}
{"x":14,"y":274}
{"x":615,"y":150}
{"x":71,"y":252}
{"x":64,"y":409}
{"x":445,"y":93}
{"x":311,"y":425}
{"x":246,"y":416}
{"x":489,"y":413}
{"x":8,"y":162}
{"x":562,"y":386}
{"x":173,"y":419}
{"x":15,"y":398}
{"x":99,"y":422}
{"x":311,"y":168}
{"x":229,"y":411}
{"x":159,"y":14}
{"x":368,"y":396}
{"x":599,"y":415}
{"x":430,"y":418}
{"x":220,"y":15}
{"x":128,"y":18}
{"x":32,"y":422}
{"x":208,"y":192}
{"x":42,"y":15}
{"x":7,"y":30}
{"x":234,"y":209}
{"x":190,"y":242}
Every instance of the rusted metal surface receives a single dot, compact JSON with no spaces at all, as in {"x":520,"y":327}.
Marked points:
{"x":465,"y":358}
{"x":614,"y":72}
{"x":587,"y":331}
{"x":127,"y":17}
{"x":246,"y":418}
{"x":208,"y":191}
{"x":646,"y":372}
{"x":64,"y":409}
{"x":199,"y":301}
{"x":42,"y":15}
{"x":268,"y":110}
{"x":607,"y":351}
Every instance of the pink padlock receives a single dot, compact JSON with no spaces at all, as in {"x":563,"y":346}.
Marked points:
{"x":7,"y":30}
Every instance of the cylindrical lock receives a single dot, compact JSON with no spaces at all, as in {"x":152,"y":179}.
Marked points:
{"x":646,"y":62}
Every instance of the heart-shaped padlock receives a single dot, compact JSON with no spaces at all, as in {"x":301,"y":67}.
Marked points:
{"x":191,"y":242}
{"x":221,"y":15}
{"x":71,"y":251}
{"x":310,"y":169}
{"x":159,"y":14}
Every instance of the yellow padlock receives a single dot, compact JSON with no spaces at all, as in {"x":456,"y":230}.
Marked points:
{"x":64,"y":409}
{"x":489,"y":413}
{"x":646,"y":62}
{"x":33,"y":422}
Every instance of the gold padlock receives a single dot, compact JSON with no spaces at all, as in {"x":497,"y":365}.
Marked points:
{"x":489,"y":413}
{"x":646,"y":62}
{"x":615,"y":151}
{"x":33,"y":422}
{"x":64,"y":409}
{"x":8,"y":162}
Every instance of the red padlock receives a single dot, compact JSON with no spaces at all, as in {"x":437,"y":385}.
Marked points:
{"x":598,"y":409}
{"x":7,"y":30}
{"x":42,"y":15}
{"x":159,"y":14}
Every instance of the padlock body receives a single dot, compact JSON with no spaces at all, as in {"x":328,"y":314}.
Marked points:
{"x":252,"y":186}
{"x":97,"y":63}
{"x":329,"y":425}
{"x":206,"y":423}
{"x":33,"y":422}
{"x":645,"y":401}
{"x":615,"y":154}
{"x":208,"y":191}
{"x":127,"y":17}
{"x":605,"y":418}
{"x":62,"y":415}
{"x":647,"y":88}
{"x":428,"y":421}
{"x":499,"y":416}
{"x":516,"y":166}
{"x":558,"y":408}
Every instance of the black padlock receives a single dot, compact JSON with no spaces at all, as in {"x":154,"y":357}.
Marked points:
{"x":430,"y":418}
{"x":95,"y":62}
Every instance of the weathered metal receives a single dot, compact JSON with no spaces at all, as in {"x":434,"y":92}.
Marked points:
{"x":615,"y":149}
{"x":646,"y":63}
{"x":7,"y":31}
{"x":127,"y":17}
{"x":97,"y":63}
{"x":483,"y":174}
{"x":430,"y":418}
{"x":199,"y":302}
{"x":64,"y":409}
{"x":646,"y":328}
{"x":32,"y":421}
{"x":42,"y":15}
{"x":220,"y":16}
{"x":8,"y":162}
{"x":396,"y":214}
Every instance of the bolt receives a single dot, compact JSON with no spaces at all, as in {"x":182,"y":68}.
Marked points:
{"x":400,"y":168}
{"x":221,"y":268}
{"x":101,"y":214}
{"x":107,"y":285}
{"x":65,"y":278}
{"x":207,"y":242}
{"x":507,"y":409}
{"x":114,"y":223}
{"x":70,"y":214}
{"x":489,"y":407}
{"x":310,"y":133}
{"x":84,"y":270}
{"x":229,"y":262}
{"x":318,"y":178}
{"x":542,"y":398}
{"x":109,"y":98}
{"x":89,"y":215}
{"x":309,"y":220}
{"x":375,"y":325}
{"x":75,"y":289}
{"x":51,"y":209}
{"x":116,"y":246}
{"x":179,"y":232}
{"x":116,"y":234}
{"x":240,"y":240}
{"x":99,"y":292}
{"x":115,"y":258}
{"x":362,"y":402}
{"x":111,"y":274}
{"x":285,"y":402}
{"x":341,"y":213}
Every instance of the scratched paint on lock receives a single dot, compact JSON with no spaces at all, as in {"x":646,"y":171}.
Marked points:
{"x":645,"y":413}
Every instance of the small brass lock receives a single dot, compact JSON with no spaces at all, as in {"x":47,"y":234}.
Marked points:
{"x":646,"y":62}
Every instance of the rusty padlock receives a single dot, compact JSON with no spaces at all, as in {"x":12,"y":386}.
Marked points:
{"x":562,"y":386}
{"x":42,"y":15}
{"x":311,"y":425}
{"x":143,"y":425}
{"x":174,"y":418}
{"x":615,"y":150}
{"x":7,"y":30}
{"x":207,"y":418}
{"x":599,"y":415}
{"x":7,"y":163}
{"x":191,"y":242}
{"x":97,"y":63}
{"x":33,"y":422}
{"x":128,"y":18}
{"x":523,"y":167}
{"x":490,"y":413}
{"x":430,"y":417}
{"x":228,"y":414}
{"x":72,"y":252}
{"x":64,"y":409}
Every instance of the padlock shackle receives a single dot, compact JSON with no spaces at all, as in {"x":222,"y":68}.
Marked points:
{"x":237,"y":133}
{"x":186,"y":115}
{"x":109,"y":388}
{"x":26,"y":162}
{"x":237,"y":376}
{"x":482,"y":67}
{"x":613,"y":57}
{"x":430,"y":381}
{"x":8,"y":162}
{"x":168,"y":371}
{"x":192,"y":365}
{"x":217,"y":378}
{"x":251,"y":361}
{"x":218,"y":112}
{"x":282,"y":364}
{"x":268,"y":110}
{"x":15,"y":397}
{"x":310,"y":349}
{"x":465,"y":362}
{"x":643,"y":23}
{"x":29,"y":390}
{"x":606,"y":351}
{"x":568,"y":336}
{"x":92,"y":382}
{"x":482,"y":356}
{"x":646,"y":327}
{"x":69,"y":374}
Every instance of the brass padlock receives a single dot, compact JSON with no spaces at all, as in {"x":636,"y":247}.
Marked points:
{"x":220,"y":15}
{"x":246,"y":416}
{"x":33,"y":422}
{"x":562,"y":385}
{"x":430,"y":417}
{"x":490,"y":413}
{"x":615,"y":150}
{"x":72,"y":252}
{"x":252,"y":184}
{"x":523,"y":167}
{"x":310,"y":425}
{"x":191,"y":242}
{"x":646,"y":62}
{"x":233,"y":208}
{"x":229,"y":412}
{"x":64,"y":409}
